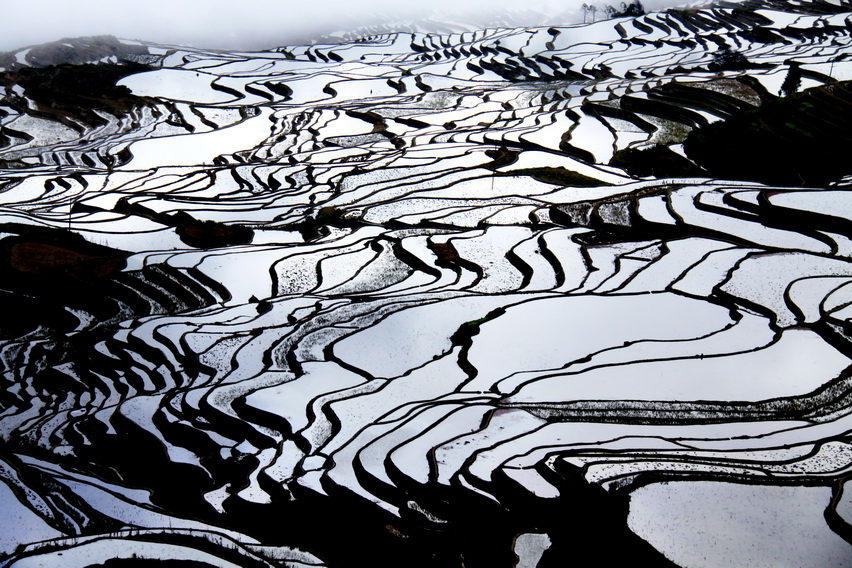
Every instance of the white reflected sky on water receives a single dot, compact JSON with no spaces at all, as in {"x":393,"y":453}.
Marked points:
{"x":244,"y":24}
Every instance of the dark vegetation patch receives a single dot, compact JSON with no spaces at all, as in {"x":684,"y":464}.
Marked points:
{"x":558,"y":176}
{"x":727,"y":59}
{"x":501,"y":157}
{"x":317,"y":226}
{"x":88,"y":85}
{"x":631,"y":10}
{"x":53,"y":281}
{"x":193,"y":232}
{"x":802,"y":139}
{"x":209,"y":234}
{"x":657,"y":161}
{"x":470,"y":328}
{"x":43,"y":270}
{"x":57,"y":253}
{"x":74,"y":90}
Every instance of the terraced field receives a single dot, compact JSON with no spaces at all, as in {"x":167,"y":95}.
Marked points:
{"x":509,"y":297}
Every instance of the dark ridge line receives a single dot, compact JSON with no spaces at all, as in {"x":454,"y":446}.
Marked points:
{"x":191,"y":539}
{"x":786,"y":216}
{"x":555,"y":372}
{"x":553,"y":260}
{"x":371,"y":244}
{"x":67,"y":513}
{"x":835,"y":522}
{"x":232,"y":425}
{"x":176,"y":117}
{"x":829,"y":398}
{"x":463,"y":338}
{"x":796,"y":309}
{"x":214,"y":84}
{"x":617,"y":268}
{"x":527,"y":271}
{"x":606,"y":233}
{"x":838,"y":335}
{"x":258,"y":92}
{"x":413,"y":260}
{"x":195,"y":110}
{"x":448,"y":257}
{"x":683,"y":452}
{"x":646,"y":478}
{"x":281,"y":89}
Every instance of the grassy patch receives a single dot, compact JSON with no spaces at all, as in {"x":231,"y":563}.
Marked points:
{"x":558,"y":176}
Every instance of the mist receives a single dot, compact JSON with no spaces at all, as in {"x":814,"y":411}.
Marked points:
{"x":256,"y":24}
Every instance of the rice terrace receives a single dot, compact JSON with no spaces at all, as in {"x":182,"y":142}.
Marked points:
{"x":575,"y":294}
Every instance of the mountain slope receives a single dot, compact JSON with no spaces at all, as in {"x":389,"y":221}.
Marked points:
{"x":507,"y":297}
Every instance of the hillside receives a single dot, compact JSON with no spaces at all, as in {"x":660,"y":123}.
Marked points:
{"x":507,"y":297}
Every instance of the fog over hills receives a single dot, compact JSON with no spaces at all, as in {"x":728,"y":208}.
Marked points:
{"x":255,"y":24}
